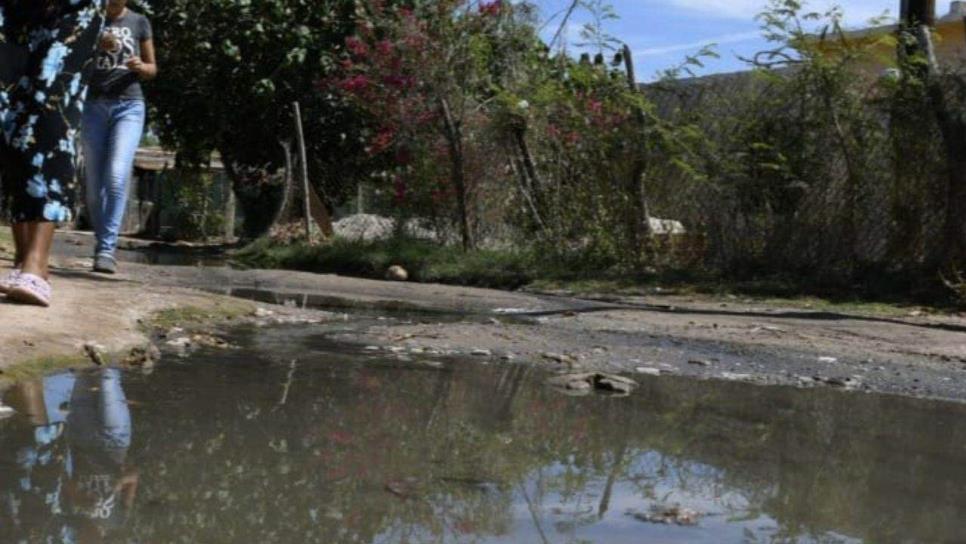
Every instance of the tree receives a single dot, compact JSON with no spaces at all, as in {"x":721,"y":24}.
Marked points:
{"x":426,"y":74}
{"x":231,"y":70}
{"x":918,"y":56}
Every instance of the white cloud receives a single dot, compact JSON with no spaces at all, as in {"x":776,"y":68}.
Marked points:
{"x":857,"y":12}
{"x":695,"y":45}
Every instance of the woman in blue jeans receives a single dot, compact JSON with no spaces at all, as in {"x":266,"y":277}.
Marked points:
{"x":114,"y":122}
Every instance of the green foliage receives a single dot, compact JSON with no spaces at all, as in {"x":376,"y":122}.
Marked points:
{"x":819,"y":166}
{"x":425,"y":261}
{"x":230,"y":71}
{"x":798,"y":168}
{"x":198,"y":213}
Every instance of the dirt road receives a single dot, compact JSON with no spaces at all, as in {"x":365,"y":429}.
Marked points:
{"x":915,"y":355}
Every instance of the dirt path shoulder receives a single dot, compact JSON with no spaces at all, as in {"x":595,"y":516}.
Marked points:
{"x":107,"y":311}
{"x":914,"y":355}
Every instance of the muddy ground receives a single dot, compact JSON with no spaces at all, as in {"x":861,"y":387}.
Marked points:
{"x":739,"y":340}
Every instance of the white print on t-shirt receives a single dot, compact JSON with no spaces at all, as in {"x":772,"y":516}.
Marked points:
{"x":117,"y":57}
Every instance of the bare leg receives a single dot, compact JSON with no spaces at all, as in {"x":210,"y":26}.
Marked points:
{"x":20,"y":243}
{"x":27,"y":398}
{"x":36,"y":252}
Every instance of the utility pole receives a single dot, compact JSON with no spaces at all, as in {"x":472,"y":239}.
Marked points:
{"x":641,"y":216}
{"x":918,"y":18}
{"x":303,"y":158}
{"x":918,"y":12}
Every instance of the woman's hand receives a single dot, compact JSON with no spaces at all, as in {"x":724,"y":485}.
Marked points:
{"x":145,"y":66}
{"x":141,"y":68}
{"x":136,"y":65}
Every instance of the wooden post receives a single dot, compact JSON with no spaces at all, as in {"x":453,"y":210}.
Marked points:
{"x":454,"y":136}
{"x":305,"y":170}
{"x":230,"y":206}
{"x":641,"y":228}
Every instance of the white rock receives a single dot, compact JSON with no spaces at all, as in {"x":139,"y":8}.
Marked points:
{"x":666,"y":226}
{"x":397,"y":273}
{"x":648,"y":371}
{"x":511,"y":311}
{"x":735,"y":377}
{"x":181,"y":342}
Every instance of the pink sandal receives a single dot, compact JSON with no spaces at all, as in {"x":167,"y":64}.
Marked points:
{"x":7,"y":282}
{"x":30,"y":289}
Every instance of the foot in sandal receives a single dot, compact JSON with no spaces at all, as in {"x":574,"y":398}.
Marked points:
{"x":8,"y":279}
{"x":30,"y":289}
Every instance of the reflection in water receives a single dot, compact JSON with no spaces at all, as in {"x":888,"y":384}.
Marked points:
{"x":295,"y":440}
{"x":67,"y":479}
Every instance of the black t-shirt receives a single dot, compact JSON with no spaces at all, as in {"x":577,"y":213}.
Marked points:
{"x":112,"y":79}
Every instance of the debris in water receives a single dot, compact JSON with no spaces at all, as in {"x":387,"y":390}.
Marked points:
{"x":482,"y":352}
{"x":181,"y":343}
{"x":404,"y":489}
{"x":674,"y":515}
{"x":95,"y":352}
{"x":559,"y":358}
{"x":144,"y":357}
{"x":586,"y":381}
{"x":208,"y":340}
{"x":262,"y":312}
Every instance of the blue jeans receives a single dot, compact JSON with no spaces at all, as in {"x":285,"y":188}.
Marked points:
{"x":111,"y":133}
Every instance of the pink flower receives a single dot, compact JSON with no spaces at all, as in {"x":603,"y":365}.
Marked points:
{"x":397,"y":81}
{"x":491,"y":8}
{"x":399,"y":185}
{"x":356,"y":84}
{"x":382,"y":141}
{"x":356,"y":46}
{"x":384,"y":47}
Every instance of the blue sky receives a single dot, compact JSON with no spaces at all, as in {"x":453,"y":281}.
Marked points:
{"x":662,"y":32}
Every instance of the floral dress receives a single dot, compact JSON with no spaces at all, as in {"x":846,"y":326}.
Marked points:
{"x":46,"y":55}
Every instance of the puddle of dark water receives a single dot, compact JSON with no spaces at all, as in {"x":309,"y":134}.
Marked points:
{"x":82,"y":247}
{"x":385,"y":310}
{"x":294,"y":439}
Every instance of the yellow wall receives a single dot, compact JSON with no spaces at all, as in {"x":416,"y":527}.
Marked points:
{"x":950,"y":40}
{"x":951,"y":43}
